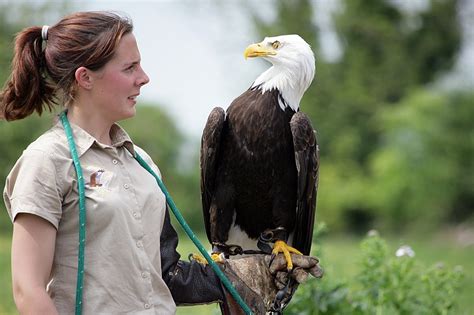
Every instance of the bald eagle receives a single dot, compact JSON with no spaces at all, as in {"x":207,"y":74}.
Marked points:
{"x":259,"y":160}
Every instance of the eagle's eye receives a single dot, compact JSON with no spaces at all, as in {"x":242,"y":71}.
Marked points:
{"x":276,"y":44}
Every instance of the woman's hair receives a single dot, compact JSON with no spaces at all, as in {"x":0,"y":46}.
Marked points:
{"x":43,"y":71}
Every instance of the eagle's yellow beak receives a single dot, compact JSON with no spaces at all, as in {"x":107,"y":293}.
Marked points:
{"x":258,"y":50}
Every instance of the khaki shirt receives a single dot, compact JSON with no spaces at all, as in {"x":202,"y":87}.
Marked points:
{"x":125,"y":212}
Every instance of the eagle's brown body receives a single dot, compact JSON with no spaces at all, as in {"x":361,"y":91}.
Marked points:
{"x":250,"y":178}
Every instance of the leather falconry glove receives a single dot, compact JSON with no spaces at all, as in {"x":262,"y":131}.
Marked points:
{"x":265,"y":285}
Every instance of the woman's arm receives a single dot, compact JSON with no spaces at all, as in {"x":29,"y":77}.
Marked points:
{"x":189,"y":282}
{"x":32,"y":258}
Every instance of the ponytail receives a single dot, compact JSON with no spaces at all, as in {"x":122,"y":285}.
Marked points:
{"x":27,"y":90}
{"x":41,"y":78}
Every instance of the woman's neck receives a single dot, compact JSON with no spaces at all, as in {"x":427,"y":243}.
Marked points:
{"x":91,"y":122}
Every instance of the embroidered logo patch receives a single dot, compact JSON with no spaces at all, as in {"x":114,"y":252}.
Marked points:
{"x":96,"y":179}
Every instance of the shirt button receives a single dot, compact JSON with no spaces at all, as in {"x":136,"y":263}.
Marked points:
{"x":139,"y":244}
{"x":114,"y":161}
{"x":126,"y":186}
{"x":136,"y":215}
{"x":144,"y":275}
{"x":147,"y":306}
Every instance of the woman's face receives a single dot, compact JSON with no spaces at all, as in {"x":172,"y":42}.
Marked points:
{"x":117,"y":85}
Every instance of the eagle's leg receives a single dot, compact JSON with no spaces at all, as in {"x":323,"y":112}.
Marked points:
{"x":217,"y":255}
{"x":218,"y":258}
{"x":220,"y":225}
{"x":220,"y":215}
{"x":218,"y":252}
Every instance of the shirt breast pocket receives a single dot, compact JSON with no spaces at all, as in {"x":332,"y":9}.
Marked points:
{"x":99,"y":186}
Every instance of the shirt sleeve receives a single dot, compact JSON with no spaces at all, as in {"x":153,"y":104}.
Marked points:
{"x":31,"y":187}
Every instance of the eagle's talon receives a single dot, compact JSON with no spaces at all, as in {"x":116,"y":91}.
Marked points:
{"x":199,"y":258}
{"x":216,"y":257}
{"x":282,"y":247}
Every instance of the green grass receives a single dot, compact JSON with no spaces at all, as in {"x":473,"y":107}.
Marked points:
{"x":339,"y":260}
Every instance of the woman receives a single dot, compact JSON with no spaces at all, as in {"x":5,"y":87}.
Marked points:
{"x":90,"y":62}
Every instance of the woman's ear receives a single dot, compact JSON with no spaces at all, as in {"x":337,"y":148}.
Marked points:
{"x":83,"y":78}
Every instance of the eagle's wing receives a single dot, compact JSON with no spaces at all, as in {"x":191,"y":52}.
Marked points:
{"x":210,"y":144}
{"x":307,"y":165}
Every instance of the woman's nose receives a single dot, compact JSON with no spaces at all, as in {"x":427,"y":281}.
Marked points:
{"x":144,"y":79}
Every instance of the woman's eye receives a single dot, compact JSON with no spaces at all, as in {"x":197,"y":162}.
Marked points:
{"x":276,"y":44}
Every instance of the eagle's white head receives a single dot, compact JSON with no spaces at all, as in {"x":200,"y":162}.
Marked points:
{"x":293,"y":67}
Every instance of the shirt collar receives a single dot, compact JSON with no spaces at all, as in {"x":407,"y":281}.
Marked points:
{"x":84,"y":141}
{"x":121,"y":138}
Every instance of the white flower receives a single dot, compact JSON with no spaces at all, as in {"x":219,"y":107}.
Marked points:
{"x":373,"y":233}
{"x":405,"y":250}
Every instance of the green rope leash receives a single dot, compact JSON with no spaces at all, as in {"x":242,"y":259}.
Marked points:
{"x":195,"y":240}
{"x":174,"y":209}
{"x":82,"y":212}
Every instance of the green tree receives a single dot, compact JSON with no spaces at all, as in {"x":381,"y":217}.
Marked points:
{"x":422,"y":171}
{"x":14,"y":15}
{"x":15,"y":138}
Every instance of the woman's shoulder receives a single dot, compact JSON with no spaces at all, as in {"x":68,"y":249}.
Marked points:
{"x":52,"y":143}
{"x":147,"y":158}
{"x":142,"y":153}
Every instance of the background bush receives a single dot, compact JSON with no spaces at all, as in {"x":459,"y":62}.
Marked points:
{"x":385,"y":283}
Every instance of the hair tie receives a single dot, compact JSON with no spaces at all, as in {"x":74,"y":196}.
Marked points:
{"x":44,"y":32}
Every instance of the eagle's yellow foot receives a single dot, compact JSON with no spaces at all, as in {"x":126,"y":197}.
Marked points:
{"x":217,"y":257}
{"x":282,"y":247}
{"x":199,"y":258}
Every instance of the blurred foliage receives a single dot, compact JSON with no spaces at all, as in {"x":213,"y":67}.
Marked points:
{"x":16,"y":136}
{"x":385,"y":284}
{"x":15,"y":15}
{"x":422,"y":169}
{"x":393,"y":149}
